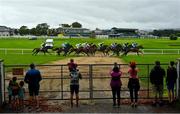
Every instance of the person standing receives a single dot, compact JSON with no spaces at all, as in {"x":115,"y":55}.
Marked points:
{"x":21,"y":94}
{"x":133,"y":84}
{"x":75,"y":75}
{"x":33,"y":78}
{"x":116,"y":84}
{"x":72,"y":65}
{"x":156,"y":78}
{"x":171,"y":80}
{"x":9,"y":88}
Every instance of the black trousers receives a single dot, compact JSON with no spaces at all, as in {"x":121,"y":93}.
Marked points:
{"x":133,"y":94}
{"x":116,"y":92}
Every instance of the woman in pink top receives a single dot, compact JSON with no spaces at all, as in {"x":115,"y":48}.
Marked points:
{"x":116,"y":84}
{"x":133,"y":84}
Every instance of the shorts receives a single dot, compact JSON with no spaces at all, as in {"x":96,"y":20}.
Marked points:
{"x":33,"y":91}
{"x":170,"y":86}
{"x":74,"y":88}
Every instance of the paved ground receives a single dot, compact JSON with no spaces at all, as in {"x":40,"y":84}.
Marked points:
{"x":98,"y":108}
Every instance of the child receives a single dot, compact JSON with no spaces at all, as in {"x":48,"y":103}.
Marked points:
{"x":133,"y":84}
{"x":21,"y":94}
{"x":9,"y":88}
{"x":15,"y":90}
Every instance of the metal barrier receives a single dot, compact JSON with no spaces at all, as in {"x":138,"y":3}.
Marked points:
{"x":2,"y":91}
{"x":94,"y":85}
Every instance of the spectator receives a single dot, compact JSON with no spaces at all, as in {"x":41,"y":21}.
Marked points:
{"x":21,"y":94}
{"x":171,"y":80}
{"x":133,"y":84}
{"x":75,"y":75}
{"x":9,"y":88}
{"x":156,"y":78}
{"x":15,"y":90}
{"x":71,"y":65}
{"x":33,"y":77}
{"x":116,"y":84}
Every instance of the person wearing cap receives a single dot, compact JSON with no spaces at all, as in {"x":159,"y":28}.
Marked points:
{"x":157,"y":75}
{"x":133,"y":84}
{"x":33,"y":78}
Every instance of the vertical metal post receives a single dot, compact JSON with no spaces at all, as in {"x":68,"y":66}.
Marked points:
{"x":90,"y":82}
{"x":62,"y":82}
{"x":2,"y":98}
{"x":178,"y":79}
{"x":148,"y":80}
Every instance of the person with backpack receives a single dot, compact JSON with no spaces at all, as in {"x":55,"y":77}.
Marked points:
{"x":33,"y":78}
{"x":133,"y":84}
{"x":171,"y":80}
{"x":75,"y":75}
{"x":156,"y":78}
{"x":116,"y":84}
{"x":15,"y":90}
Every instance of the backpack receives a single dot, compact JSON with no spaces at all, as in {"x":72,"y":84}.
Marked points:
{"x":15,"y":88}
{"x":74,"y":78}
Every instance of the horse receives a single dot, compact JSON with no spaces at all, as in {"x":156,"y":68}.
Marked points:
{"x":58,"y":50}
{"x":67,"y":49}
{"x":133,"y":49}
{"x":117,"y":49}
{"x":35,"y":51}
{"x":104,"y":49}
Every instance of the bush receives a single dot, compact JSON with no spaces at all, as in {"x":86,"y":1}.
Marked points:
{"x":173,"y":37}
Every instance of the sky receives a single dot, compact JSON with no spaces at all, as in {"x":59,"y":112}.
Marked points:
{"x":102,"y":14}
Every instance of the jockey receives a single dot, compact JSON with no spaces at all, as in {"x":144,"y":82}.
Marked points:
{"x":84,"y":45}
{"x":43,"y":44}
{"x":113,"y":45}
{"x":78,"y":45}
{"x":64,"y":45}
{"x":134,"y":45}
{"x":100,"y":44}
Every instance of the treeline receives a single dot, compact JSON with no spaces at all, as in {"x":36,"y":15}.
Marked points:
{"x":43,"y":29}
{"x":166,"y":33}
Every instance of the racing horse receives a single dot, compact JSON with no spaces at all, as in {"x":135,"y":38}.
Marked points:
{"x":35,"y":51}
{"x":133,"y":49}
{"x":117,"y":49}
{"x":104,"y":49}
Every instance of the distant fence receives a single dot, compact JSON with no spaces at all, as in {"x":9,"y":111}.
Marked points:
{"x":145,"y":51}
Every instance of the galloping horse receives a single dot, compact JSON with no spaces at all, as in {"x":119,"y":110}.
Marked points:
{"x":131,"y":49}
{"x":117,"y":49}
{"x":104,"y":49}
{"x":58,"y":50}
{"x":35,"y":51}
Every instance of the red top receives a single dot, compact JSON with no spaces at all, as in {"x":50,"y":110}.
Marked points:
{"x":133,"y":73}
{"x":72,"y":66}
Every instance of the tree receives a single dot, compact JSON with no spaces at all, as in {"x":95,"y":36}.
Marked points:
{"x":23,"y":30}
{"x":173,"y":37}
{"x":33,"y":31}
{"x":65,"y":25}
{"x":76,"y":25}
{"x":41,"y":29}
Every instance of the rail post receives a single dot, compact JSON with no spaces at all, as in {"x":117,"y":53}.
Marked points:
{"x":178,"y":79}
{"x":2,"y":97}
{"x":90,"y":82}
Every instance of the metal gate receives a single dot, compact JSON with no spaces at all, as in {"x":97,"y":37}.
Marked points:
{"x":94,"y":85}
